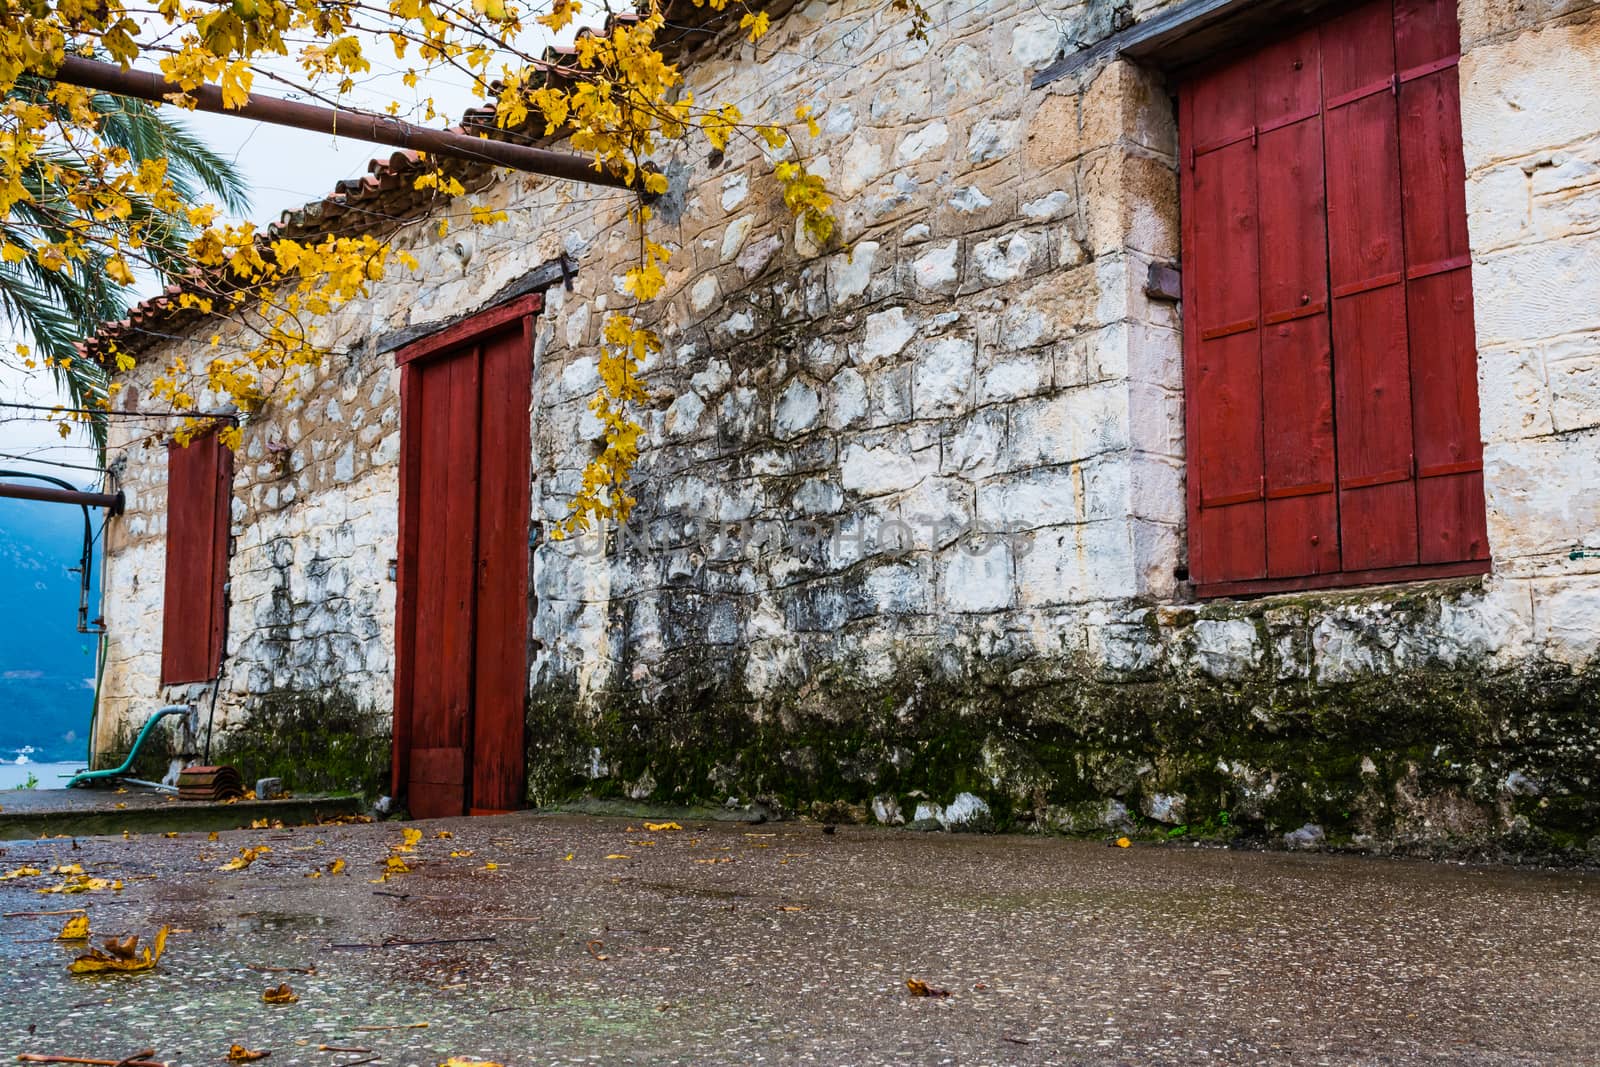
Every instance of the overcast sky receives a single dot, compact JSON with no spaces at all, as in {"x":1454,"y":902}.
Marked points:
{"x":285,"y":169}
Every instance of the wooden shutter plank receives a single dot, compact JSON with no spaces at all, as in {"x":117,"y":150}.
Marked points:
{"x":1227,"y":381}
{"x":500,"y":699}
{"x":222,"y":522}
{"x":1451,"y":519}
{"x":442,"y":662}
{"x":1372,"y":385}
{"x":1296,"y":366}
{"x":1425,"y":32}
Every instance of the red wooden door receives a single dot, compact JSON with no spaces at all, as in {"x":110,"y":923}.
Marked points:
{"x":1331,"y":376}
{"x":461,"y":670}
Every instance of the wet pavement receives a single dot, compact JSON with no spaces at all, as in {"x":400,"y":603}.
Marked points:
{"x":568,"y":940}
{"x":26,"y":813}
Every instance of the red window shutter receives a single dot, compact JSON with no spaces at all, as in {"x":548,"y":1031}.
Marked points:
{"x":1332,"y":412}
{"x":199,"y":499}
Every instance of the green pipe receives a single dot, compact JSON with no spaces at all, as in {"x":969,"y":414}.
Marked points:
{"x":94,"y":708}
{"x":117,"y":772}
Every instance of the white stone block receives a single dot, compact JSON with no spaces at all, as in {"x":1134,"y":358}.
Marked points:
{"x":850,"y":273}
{"x":937,"y":269}
{"x":734,"y":236}
{"x":887,"y":333}
{"x":797,"y":410}
{"x":1072,"y":564}
{"x":847,"y":399}
{"x":881,"y":469}
{"x":913,"y":146}
{"x":977,"y":576}
{"x":942,"y":378}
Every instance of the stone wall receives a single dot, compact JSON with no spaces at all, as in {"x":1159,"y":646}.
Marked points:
{"x":911,"y":516}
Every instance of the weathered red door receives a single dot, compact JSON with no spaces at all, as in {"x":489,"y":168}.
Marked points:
{"x":461,"y":666}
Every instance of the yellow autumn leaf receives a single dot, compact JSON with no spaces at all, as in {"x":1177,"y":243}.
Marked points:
{"x":661,"y":827}
{"x":67,"y":868}
{"x":240,"y":1054}
{"x":336,"y":867}
{"x":121,"y":955}
{"x":258,"y":824}
{"x":443,"y":835}
{"x":457,"y":1061}
{"x":395,"y":865}
{"x":461,"y":853}
{"x":616,"y":856}
{"x":411,"y":837}
{"x":1123,"y":842}
{"x":212,"y":836}
{"x":245,"y":858}
{"x":569,"y":855}
{"x":75,"y":929}
{"x":490,"y":866}
{"x":280,"y":995}
{"x":83,"y":883}
{"x":20,"y":872}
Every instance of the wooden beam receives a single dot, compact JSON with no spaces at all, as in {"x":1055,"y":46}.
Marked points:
{"x":338,"y":122}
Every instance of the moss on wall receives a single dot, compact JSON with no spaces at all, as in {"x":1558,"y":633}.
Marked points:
{"x":314,"y":743}
{"x":1418,"y":759}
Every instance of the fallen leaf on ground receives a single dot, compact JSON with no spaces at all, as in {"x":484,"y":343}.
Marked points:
{"x":240,"y":1054}
{"x":281,"y":994}
{"x":919,"y":988}
{"x":461,"y":854}
{"x":20,"y":872}
{"x":616,"y":856}
{"x":568,"y":856}
{"x":593,"y":948}
{"x":336,"y":867}
{"x":212,"y":836}
{"x":719,"y":859}
{"x":661,"y":827}
{"x":76,"y":929}
{"x":395,"y":865}
{"x":258,"y":824}
{"x":443,"y":835}
{"x":1123,"y":842}
{"x":170,"y":833}
{"x":457,"y":1061}
{"x":121,"y":955}
{"x":67,"y":868}
{"x":411,"y":836}
{"x":490,"y":866}
{"x":82,"y":883}
{"x":245,"y":858}
{"x":791,"y":907}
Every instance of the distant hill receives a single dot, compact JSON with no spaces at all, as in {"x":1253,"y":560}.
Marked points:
{"x":46,"y":666}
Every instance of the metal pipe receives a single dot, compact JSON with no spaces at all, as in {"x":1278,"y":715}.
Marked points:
{"x":66,"y":492}
{"x":119,"y":771}
{"x":339,"y":122}
{"x":114,"y":501}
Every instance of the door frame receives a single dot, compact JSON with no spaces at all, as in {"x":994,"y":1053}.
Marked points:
{"x":443,"y":343}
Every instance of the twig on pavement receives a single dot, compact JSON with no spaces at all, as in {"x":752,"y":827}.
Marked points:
{"x":138,"y":1059}
{"x":401,"y":942}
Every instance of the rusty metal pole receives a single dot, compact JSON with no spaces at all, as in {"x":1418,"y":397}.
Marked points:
{"x":338,"y":122}
{"x":12,"y":491}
